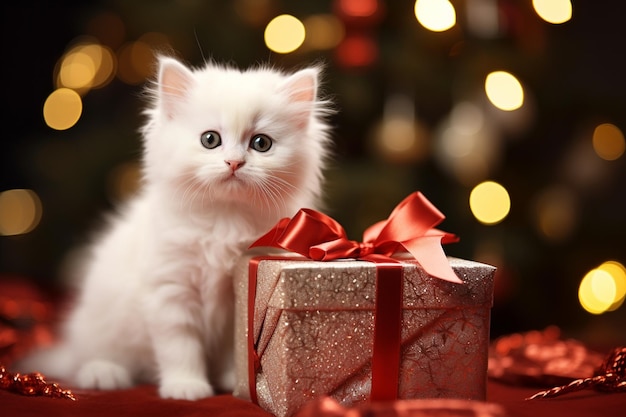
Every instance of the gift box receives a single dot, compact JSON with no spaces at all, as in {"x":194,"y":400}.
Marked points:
{"x":312,"y":330}
{"x":384,"y":319}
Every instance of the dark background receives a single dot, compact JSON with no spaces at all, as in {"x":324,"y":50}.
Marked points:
{"x":573,"y":75}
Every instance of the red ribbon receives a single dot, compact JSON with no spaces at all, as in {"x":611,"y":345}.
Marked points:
{"x":318,"y":237}
{"x":410,"y":227}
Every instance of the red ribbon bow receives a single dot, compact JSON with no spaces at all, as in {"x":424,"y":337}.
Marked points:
{"x":410,"y":227}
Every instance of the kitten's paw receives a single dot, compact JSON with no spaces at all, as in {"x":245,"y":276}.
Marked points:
{"x":102,"y":374}
{"x":185,"y":389}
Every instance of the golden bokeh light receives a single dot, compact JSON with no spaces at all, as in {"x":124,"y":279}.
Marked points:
{"x":401,"y":139}
{"x":618,"y":272}
{"x":489,"y":202}
{"x":284,"y":34}
{"x":553,"y":11}
{"x":62,"y":109}
{"x":78,"y":68}
{"x":597,"y":292}
{"x":323,"y":31}
{"x":85,"y":66}
{"x":504,"y":90}
{"x":397,"y":134}
{"x":435,"y":15}
{"x":135,"y":62}
{"x":20,"y":212}
{"x":106,"y":67}
{"x":608,"y":141}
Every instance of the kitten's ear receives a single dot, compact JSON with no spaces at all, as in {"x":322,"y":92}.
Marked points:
{"x":175,"y":80}
{"x":302,"y":86}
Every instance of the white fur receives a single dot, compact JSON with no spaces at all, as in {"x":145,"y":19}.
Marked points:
{"x":157,"y":302}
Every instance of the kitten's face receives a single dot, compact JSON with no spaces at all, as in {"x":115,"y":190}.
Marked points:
{"x":220,"y":135}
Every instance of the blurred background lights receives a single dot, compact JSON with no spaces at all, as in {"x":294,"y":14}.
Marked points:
{"x":618,"y":273}
{"x":400,"y":137}
{"x":466,"y":145}
{"x":78,"y":68}
{"x":483,"y":17}
{"x":358,"y":50}
{"x":62,"y":109}
{"x":435,"y":15}
{"x":135,"y":62}
{"x":553,"y":11}
{"x":358,"y":8}
{"x":489,"y":202}
{"x":284,"y":34}
{"x":86,"y":66}
{"x":608,"y":141}
{"x":603,"y":289}
{"x":556,"y":213}
{"x":323,"y":31}
{"x":20,"y":212}
{"x":466,"y":118}
{"x":504,"y":90}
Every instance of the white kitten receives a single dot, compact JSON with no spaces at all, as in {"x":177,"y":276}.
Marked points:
{"x":226,"y":154}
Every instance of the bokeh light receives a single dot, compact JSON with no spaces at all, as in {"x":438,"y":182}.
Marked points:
{"x":608,"y":141}
{"x":553,"y":11}
{"x":489,"y":202}
{"x":78,"y":67}
{"x":284,"y":34}
{"x":358,"y":50}
{"x":87,"y":65}
{"x":556,"y":213}
{"x":618,"y":273}
{"x":435,"y":15}
{"x":482,"y":17}
{"x":20,"y":211}
{"x":466,"y":144}
{"x":62,"y":109}
{"x":323,"y":31}
{"x":602,"y":289}
{"x":504,"y":90}
{"x":358,"y":8}
{"x":135,"y":62}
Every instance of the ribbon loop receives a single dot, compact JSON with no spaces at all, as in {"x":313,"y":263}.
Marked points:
{"x":410,"y":227}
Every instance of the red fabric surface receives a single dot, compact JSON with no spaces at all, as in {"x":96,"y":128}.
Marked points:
{"x":144,"y":401}
{"x":19,"y":301}
{"x":578,"y":404}
{"x":136,"y":402}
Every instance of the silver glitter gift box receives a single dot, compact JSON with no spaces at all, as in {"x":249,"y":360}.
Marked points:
{"x":313,"y":328}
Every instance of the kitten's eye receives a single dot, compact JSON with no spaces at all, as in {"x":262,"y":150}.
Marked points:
{"x":261,"y":143}
{"x":211,"y":139}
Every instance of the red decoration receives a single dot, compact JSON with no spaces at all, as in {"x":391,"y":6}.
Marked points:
{"x":410,"y":227}
{"x":609,"y":377}
{"x":33,"y":384}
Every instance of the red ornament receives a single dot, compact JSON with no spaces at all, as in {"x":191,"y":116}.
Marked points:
{"x":33,"y":384}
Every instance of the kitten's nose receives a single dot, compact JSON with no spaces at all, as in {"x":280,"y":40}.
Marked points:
{"x":234,"y":165}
